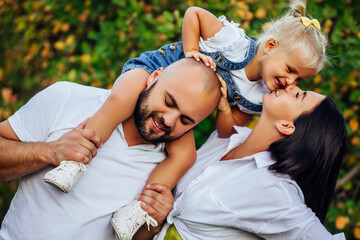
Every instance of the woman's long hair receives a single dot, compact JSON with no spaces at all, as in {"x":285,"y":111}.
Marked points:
{"x":312,"y":155}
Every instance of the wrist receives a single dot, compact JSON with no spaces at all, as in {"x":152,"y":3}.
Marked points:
{"x":47,"y":153}
{"x":225,"y":111}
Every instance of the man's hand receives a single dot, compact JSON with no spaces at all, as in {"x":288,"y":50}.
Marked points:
{"x":207,"y":60}
{"x":78,"y":145}
{"x":157,"y":200}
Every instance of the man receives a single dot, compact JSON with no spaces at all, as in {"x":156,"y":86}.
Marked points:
{"x":121,"y":167}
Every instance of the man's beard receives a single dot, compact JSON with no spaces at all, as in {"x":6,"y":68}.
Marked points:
{"x":142,"y":114}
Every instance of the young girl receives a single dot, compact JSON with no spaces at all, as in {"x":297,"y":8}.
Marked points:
{"x":290,"y":50}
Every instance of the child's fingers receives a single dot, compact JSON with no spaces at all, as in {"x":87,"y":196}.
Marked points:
{"x":193,"y":55}
{"x":223,"y":84}
{"x":205,"y":60}
{"x":212,"y":64}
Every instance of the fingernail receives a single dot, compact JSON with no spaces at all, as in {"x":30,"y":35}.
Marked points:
{"x":142,"y":204}
{"x":148,"y":186}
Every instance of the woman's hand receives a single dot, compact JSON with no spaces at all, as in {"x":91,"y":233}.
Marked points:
{"x":207,"y":60}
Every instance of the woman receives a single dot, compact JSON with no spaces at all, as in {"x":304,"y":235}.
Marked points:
{"x":239,"y":190}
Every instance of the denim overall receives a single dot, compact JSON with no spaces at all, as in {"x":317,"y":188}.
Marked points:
{"x":152,"y":60}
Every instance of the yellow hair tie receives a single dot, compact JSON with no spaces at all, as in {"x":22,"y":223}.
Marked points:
{"x":306,"y":22}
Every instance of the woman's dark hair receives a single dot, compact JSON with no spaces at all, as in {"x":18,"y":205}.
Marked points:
{"x":312,"y":155}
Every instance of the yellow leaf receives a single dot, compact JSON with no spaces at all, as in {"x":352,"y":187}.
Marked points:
{"x":317,"y":79}
{"x":340,"y":205}
{"x":341,"y":222}
{"x":1,"y":74}
{"x":84,"y":77}
{"x":85,"y":58}
{"x":249,"y":15}
{"x":260,"y":13}
{"x":333,"y":79}
{"x":348,"y":113}
{"x":317,"y":90}
{"x":70,"y":39}
{"x":96,"y":83}
{"x":354,"y":124}
{"x":240,"y":13}
{"x":65,"y":27}
{"x":59,"y":45}
{"x":242,"y":5}
{"x":357,"y":231}
{"x":162,"y":37}
{"x":355,"y":140}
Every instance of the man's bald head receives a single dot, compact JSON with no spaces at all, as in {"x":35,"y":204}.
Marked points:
{"x":194,"y":72}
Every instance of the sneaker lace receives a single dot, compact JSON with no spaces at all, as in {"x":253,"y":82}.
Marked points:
{"x":72,"y":167}
{"x":136,"y":220}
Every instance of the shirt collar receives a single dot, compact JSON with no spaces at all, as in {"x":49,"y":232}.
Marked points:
{"x":262,"y":159}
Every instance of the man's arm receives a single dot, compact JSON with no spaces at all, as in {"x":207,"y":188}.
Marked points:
{"x":19,"y":158}
{"x":157,"y":200}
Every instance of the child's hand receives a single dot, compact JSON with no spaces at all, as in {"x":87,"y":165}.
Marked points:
{"x":207,"y":60}
{"x":223,"y":103}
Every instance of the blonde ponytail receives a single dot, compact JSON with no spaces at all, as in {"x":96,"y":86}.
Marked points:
{"x":291,"y":33}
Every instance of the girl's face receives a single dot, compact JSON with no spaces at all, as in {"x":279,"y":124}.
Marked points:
{"x":280,"y":69}
{"x":288,"y":104}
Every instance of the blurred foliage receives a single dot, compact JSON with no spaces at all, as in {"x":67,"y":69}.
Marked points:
{"x":88,"y":42}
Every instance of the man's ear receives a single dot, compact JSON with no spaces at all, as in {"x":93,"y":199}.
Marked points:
{"x":154,"y":76}
{"x":285,"y":127}
{"x":270,"y":44}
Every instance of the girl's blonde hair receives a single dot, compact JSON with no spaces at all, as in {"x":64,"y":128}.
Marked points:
{"x":290,"y":33}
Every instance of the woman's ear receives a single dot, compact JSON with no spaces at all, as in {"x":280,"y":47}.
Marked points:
{"x":153,"y":77}
{"x":285,"y":127}
{"x":270,"y":45}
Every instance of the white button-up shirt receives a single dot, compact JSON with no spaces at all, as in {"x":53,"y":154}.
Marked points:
{"x":241,"y":198}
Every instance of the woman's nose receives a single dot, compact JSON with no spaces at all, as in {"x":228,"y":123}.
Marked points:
{"x":289,"y":88}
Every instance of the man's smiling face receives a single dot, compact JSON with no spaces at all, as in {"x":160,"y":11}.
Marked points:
{"x":173,"y":104}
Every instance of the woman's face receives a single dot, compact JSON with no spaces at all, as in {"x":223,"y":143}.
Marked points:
{"x":288,"y":104}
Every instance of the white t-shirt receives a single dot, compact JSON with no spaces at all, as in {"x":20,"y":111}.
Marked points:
{"x":231,"y":42}
{"x":113,"y":179}
{"x":241,"y":198}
